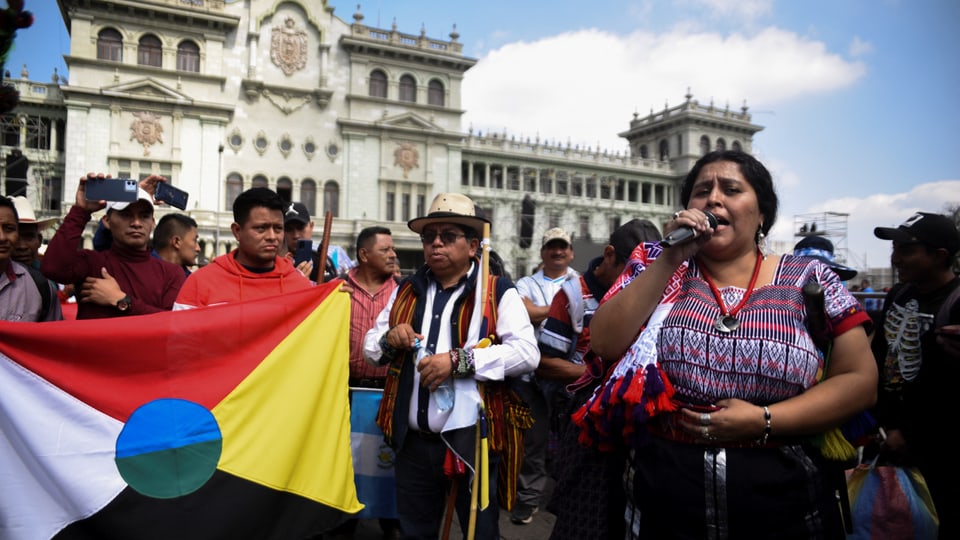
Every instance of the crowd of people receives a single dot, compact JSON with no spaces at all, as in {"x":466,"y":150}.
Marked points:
{"x":671,"y":391}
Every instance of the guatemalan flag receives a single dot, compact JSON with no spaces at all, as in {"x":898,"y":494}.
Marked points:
{"x":373,"y":459}
{"x":223,"y":422}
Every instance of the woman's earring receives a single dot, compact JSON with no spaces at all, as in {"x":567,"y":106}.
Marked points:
{"x":761,"y":242}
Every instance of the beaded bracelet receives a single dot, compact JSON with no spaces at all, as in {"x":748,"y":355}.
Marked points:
{"x":462,"y":363}
{"x":454,"y":360}
{"x":385,"y":348}
{"x":766,"y":429}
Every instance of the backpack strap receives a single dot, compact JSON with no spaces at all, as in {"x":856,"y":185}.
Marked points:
{"x":43,"y":285}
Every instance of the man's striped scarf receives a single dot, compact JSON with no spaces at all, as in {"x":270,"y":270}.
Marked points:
{"x":507,"y":415}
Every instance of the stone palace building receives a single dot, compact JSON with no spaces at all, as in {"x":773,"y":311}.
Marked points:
{"x":359,"y":121}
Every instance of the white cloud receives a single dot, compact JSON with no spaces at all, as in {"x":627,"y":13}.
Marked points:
{"x":586,"y":84}
{"x":859,"y":48}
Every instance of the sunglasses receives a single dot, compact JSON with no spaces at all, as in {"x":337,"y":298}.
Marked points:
{"x":447,"y":237}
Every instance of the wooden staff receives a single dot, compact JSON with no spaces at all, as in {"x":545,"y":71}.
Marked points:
{"x":482,"y":424}
{"x":324,"y":244}
{"x":480,"y":488}
{"x":451,"y":507}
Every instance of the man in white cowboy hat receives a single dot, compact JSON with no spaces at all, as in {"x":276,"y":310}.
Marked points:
{"x":25,"y":295}
{"x":423,"y":333}
{"x":27,"y":250}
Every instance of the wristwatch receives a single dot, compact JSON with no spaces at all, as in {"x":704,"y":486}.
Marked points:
{"x":123,"y":304}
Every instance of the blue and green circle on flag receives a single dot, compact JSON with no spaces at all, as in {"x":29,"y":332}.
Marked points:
{"x":169,"y":448}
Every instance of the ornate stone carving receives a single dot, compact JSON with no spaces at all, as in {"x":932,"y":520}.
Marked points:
{"x":288,"y":47}
{"x":146,"y":130}
{"x":406,"y":157}
{"x":286,"y":102}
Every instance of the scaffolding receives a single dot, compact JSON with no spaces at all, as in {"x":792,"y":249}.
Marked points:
{"x":832,"y":225}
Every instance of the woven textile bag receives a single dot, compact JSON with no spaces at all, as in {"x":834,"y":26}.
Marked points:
{"x":890,"y":503}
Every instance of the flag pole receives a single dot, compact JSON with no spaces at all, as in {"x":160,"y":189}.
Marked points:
{"x":324,"y":246}
{"x":484,"y":342}
{"x":480,"y":488}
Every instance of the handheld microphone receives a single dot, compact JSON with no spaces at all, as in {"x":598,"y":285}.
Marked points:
{"x":686,"y":234}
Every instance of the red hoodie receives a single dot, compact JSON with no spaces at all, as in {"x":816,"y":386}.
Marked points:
{"x":225,"y":281}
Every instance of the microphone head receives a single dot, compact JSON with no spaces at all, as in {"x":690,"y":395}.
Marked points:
{"x":711,"y":219}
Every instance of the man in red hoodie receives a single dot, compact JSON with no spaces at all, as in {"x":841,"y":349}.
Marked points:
{"x":253,"y":270}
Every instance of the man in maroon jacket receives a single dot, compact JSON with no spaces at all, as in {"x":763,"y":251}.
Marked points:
{"x":124,"y":279}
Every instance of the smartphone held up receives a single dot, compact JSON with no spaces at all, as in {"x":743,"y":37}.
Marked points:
{"x":304,"y":252}
{"x":173,"y":196}
{"x":110,"y":189}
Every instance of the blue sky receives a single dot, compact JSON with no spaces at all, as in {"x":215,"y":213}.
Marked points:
{"x":858,"y":97}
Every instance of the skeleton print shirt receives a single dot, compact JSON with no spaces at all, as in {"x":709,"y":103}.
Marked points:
{"x":916,"y":375}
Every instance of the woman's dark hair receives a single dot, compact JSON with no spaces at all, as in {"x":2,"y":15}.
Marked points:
{"x":756,"y":174}
{"x":626,"y":237}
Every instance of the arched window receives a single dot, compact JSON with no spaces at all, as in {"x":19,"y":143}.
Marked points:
{"x":308,"y":195}
{"x":408,"y":89}
{"x":704,"y":145}
{"x":331,"y":198}
{"x":664,"y":150}
{"x":644,"y":153}
{"x":736,"y":146}
{"x":259,"y":181}
{"x":285,"y":188}
{"x":188,"y":57}
{"x":150,"y":51}
{"x":435,"y":93}
{"x":234,"y":188}
{"x":721,"y":144}
{"x":110,"y":45}
{"x":378,"y":84}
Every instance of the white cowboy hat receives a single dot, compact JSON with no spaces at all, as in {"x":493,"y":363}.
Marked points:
{"x":25,"y":212}
{"x":450,"y":208}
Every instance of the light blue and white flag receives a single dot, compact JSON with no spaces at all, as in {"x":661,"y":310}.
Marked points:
{"x":372,"y":457}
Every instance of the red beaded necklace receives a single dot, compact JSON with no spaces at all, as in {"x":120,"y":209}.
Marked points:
{"x":727,"y":321}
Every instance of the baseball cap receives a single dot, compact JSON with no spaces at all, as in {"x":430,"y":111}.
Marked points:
{"x":141,"y":196}
{"x":555,"y":233}
{"x":296,"y":212}
{"x":821,"y":248}
{"x":932,"y":230}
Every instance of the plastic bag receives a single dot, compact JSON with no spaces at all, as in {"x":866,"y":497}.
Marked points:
{"x":888,"y":502}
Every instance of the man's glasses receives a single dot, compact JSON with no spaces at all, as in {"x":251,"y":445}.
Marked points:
{"x":447,"y":237}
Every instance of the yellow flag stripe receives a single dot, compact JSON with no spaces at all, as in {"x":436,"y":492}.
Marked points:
{"x":287,"y":425}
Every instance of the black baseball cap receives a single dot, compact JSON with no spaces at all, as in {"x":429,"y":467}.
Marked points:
{"x":296,"y":212}
{"x":932,"y":230}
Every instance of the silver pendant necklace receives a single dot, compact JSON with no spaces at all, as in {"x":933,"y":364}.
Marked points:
{"x":727,"y":321}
